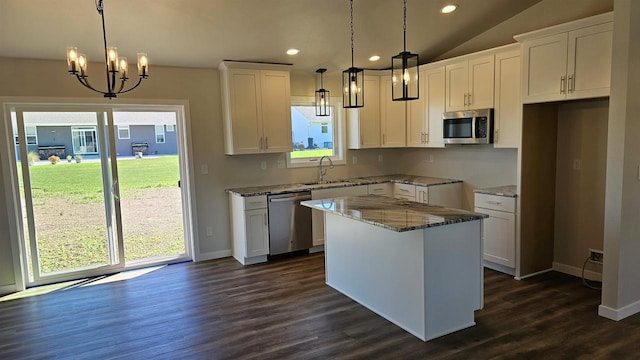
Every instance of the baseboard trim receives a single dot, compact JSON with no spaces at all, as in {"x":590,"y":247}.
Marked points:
{"x":576,"y":271}
{"x":8,"y":289}
{"x":621,"y":313}
{"x":522,"y":277}
{"x":213,"y":255}
{"x":499,"y":267}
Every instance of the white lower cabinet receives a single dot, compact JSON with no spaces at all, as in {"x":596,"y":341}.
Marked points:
{"x":447,"y":195}
{"x":383,"y":189}
{"x":317,"y":216}
{"x":499,"y":230}
{"x":250,"y":228}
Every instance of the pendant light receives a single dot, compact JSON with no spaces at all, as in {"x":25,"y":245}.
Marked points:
{"x":322,"y":97}
{"x":404,"y":70}
{"x":352,"y":79}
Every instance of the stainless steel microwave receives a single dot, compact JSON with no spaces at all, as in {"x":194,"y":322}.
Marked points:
{"x":468,"y":127}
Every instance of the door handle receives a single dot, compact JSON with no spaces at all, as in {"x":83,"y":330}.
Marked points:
{"x":266,"y":223}
{"x":114,"y":193}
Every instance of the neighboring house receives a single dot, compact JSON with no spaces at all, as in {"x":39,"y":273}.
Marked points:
{"x":73,"y":134}
{"x":309,"y":129}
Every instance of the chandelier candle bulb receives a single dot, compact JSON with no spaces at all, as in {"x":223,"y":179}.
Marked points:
{"x":143,"y":65}
{"x":82,"y":63}
{"x":112,"y":59}
{"x":123,"y":66}
{"x":72,"y":59}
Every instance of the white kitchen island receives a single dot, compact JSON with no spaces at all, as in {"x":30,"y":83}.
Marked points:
{"x":418,"y":266}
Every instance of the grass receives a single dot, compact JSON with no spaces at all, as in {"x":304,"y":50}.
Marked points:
{"x":315,"y":153}
{"x":68,"y":243}
{"x":82,"y":183}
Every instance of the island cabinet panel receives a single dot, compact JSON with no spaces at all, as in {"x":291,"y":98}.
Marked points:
{"x":256,"y":104}
{"x":427,"y":281}
{"x":568,"y":61}
{"x":250,"y":228}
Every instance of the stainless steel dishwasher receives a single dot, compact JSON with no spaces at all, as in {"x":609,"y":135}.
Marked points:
{"x":289,"y":223}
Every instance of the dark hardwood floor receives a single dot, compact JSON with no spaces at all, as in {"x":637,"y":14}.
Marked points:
{"x":283,"y":310}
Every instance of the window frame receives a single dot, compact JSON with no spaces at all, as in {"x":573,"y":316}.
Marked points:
{"x":169,"y":128}
{"x":16,"y":139}
{"x":164,"y":135}
{"x":123,"y":127}
{"x":339,"y":132}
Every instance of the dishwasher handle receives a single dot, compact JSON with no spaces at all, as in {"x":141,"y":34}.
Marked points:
{"x":290,"y":199}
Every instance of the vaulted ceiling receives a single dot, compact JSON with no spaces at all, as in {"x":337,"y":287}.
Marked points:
{"x":201,"y":33}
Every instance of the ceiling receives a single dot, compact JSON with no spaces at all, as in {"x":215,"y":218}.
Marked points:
{"x":201,"y":33}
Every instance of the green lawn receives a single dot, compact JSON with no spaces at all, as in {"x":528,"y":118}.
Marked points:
{"x":311,"y":153}
{"x":83,"y":181}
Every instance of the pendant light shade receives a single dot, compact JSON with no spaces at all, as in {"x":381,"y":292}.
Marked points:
{"x":405,"y":77}
{"x":322,"y":97}
{"x":352,"y":79}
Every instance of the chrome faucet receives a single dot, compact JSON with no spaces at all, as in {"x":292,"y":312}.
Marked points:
{"x":322,"y":172}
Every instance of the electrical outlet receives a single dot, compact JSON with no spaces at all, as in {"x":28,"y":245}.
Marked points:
{"x":204,"y":169}
{"x":209,"y":231}
{"x":577,"y":164}
{"x":596,"y":256}
{"x":281,"y":164}
{"x":430,"y":158}
{"x":380,"y":158}
{"x":354,"y":160}
{"x":263,"y":165}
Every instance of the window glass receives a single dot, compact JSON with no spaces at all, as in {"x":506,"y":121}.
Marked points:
{"x":123,"y":132}
{"x":170,"y":128}
{"x":30,"y":132}
{"x":314,"y":136}
{"x":159,"y":134}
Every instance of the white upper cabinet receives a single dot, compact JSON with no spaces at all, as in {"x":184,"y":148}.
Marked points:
{"x":364,"y":123}
{"x":393,"y":122}
{"x":469,"y":84}
{"x":507,"y":115}
{"x":256,"y":104}
{"x":568,"y":61}
{"x":424,"y":115}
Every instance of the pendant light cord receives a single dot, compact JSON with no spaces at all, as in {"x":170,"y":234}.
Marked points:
{"x":351,"y":25}
{"x":404,"y":25}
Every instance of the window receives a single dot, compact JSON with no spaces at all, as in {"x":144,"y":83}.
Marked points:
{"x":159,"y":134}
{"x":315,"y":136}
{"x":30,"y":132}
{"x":123,"y":132}
{"x":170,"y":128}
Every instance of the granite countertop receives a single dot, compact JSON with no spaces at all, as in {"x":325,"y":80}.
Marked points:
{"x":393,"y":214}
{"x":298,"y":187}
{"x":507,"y":190}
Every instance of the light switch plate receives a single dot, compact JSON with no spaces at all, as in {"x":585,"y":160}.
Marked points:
{"x":281,"y":164}
{"x":204,"y":169}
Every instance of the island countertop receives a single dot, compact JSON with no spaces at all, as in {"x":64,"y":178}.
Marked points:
{"x":393,"y":214}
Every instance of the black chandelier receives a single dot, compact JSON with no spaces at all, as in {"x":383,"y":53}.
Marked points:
{"x":322,"y":97}
{"x":352,"y":79}
{"x":116,"y":67}
{"x":405,"y":77}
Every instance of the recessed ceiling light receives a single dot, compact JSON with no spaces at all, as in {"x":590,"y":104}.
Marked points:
{"x":293,"y":52}
{"x":374,"y":58}
{"x":448,"y":9}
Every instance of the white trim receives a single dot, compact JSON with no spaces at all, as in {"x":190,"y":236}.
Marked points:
{"x":499,"y":267}
{"x":8,"y":289}
{"x":620,"y":313}
{"x":533,"y":274}
{"x":213,"y":255}
{"x":576,"y":271}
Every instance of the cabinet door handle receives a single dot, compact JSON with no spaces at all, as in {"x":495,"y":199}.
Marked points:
{"x":469,"y":98}
{"x":260,"y":144}
{"x":562,"y":79}
{"x":426,"y":138}
{"x":266,"y":223}
{"x":266,"y":142}
{"x":361,"y":141}
{"x":496,"y":135}
{"x":383,"y":139}
{"x":404,"y":190}
{"x":494,"y":202}
{"x":570,"y":84}
{"x":465,"y":99}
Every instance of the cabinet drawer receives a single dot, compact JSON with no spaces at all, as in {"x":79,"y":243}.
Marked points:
{"x":255,"y":202}
{"x":383,"y":189}
{"x":494,"y":202}
{"x":404,"y":190}
{"x":402,"y":197}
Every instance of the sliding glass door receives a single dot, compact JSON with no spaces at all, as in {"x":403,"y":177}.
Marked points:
{"x":93,"y":203}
